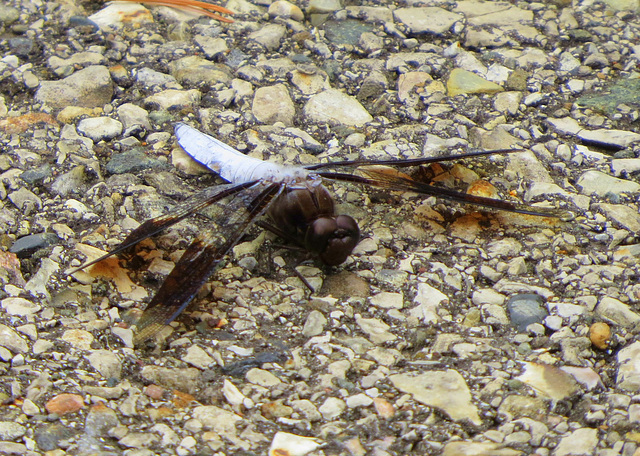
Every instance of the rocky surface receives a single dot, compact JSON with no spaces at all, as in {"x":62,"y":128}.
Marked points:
{"x":450,"y":330}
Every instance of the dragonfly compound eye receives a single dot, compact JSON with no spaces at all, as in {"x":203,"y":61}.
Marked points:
{"x":333,"y":238}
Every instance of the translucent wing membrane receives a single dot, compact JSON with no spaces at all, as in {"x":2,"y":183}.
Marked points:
{"x":194,"y":204}
{"x":203,"y":257}
{"x":239,"y":205}
{"x":410,"y":161}
{"x":395,"y":181}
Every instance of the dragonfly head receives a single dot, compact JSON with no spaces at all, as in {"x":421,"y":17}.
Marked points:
{"x":333,"y":238}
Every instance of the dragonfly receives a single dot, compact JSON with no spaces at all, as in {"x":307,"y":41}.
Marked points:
{"x":295,"y":204}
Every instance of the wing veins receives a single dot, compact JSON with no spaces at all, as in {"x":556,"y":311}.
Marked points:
{"x":200,"y":261}
{"x":403,"y":163}
{"x":383,"y":180}
{"x":153,"y":226}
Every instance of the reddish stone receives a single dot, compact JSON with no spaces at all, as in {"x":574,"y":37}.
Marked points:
{"x":64,"y":404}
{"x":154,"y":392}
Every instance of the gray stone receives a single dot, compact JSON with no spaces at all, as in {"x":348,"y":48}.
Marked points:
{"x":149,"y":78}
{"x":28,"y":245}
{"x":105,"y":362}
{"x":212,"y":47}
{"x":11,"y":340}
{"x":609,"y":138}
{"x":100,"y":128}
{"x":133,"y":118}
{"x":581,"y":442}
{"x":335,"y":107}
{"x":10,"y":430}
{"x":270,"y":36}
{"x":616,"y":311}
{"x":273,"y":104}
{"x":314,"y":324}
{"x":445,"y":390}
{"x":427,"y":19}
{"x":525,"y":309}
{"x":628,"y":359}
{"x":72,"y":182}
{"x":132,"y":161}
{"x":173,"y":99}
{"x":89,"y":88}
{"x":196,"y":71}
{"x":596,"y":182}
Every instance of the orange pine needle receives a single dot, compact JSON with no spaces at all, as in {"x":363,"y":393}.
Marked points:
{"x":194,"y":6}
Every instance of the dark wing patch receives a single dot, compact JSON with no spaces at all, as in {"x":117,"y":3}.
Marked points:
{"x":203,"y":257}
{"x":192,"y":205}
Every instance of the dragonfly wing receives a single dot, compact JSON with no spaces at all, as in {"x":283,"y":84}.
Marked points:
{"x":203,"y":257}
{"x":195,"y":203}
{"x":382,"y":178}
{"x":403,"y":163}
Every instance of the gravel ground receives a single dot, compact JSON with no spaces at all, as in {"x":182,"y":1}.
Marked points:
{"x":450,"y":330}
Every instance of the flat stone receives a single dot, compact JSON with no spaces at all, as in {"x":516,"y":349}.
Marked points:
{"x":172,"y":99}
{"x":19,"y":306}
{"x":601,"y":184}
{"x":376,"y":330}
{"x":291,"y":444}
{"x":314,"y":324}
{"x":105,"y":362}
{"x":197,"y":357}
{"x":195,"y":71}
{"x":273,"y":104}
{"x":445,"y":390}
{"x":606,"y":137}
{"x":628,"y":377}
{"x":182,"y":379}
{"x":625,"y":165}
{"x":581,"y":442}
{"x":64,"y":404}
{"x":10,"y":430}
{"x":429,"y":299}
{"x":469,"y":448}
{"x":149,"y":78}
{"x":388,"y":300}
{"x":262,"y":377}
{"x":11,"y":340}
{"x":427,"y":19}
{"x":116,"y":15}
{"x":332,"y":408}
{"x":88,"y":88}
{"x":78,"y":338}
{"x":549,"y":380}
{"x":212,"y":47}
{"x":100,"y":128}
{"x":335,"y":107}
{"x":270,"y":36}
{"x":481,"y":13}
{"x":462,"y":81}
{"x":132,"y":161}
{"x":218,"y":420}
{"x":626,"y":216}
{"x":616,"y":312}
